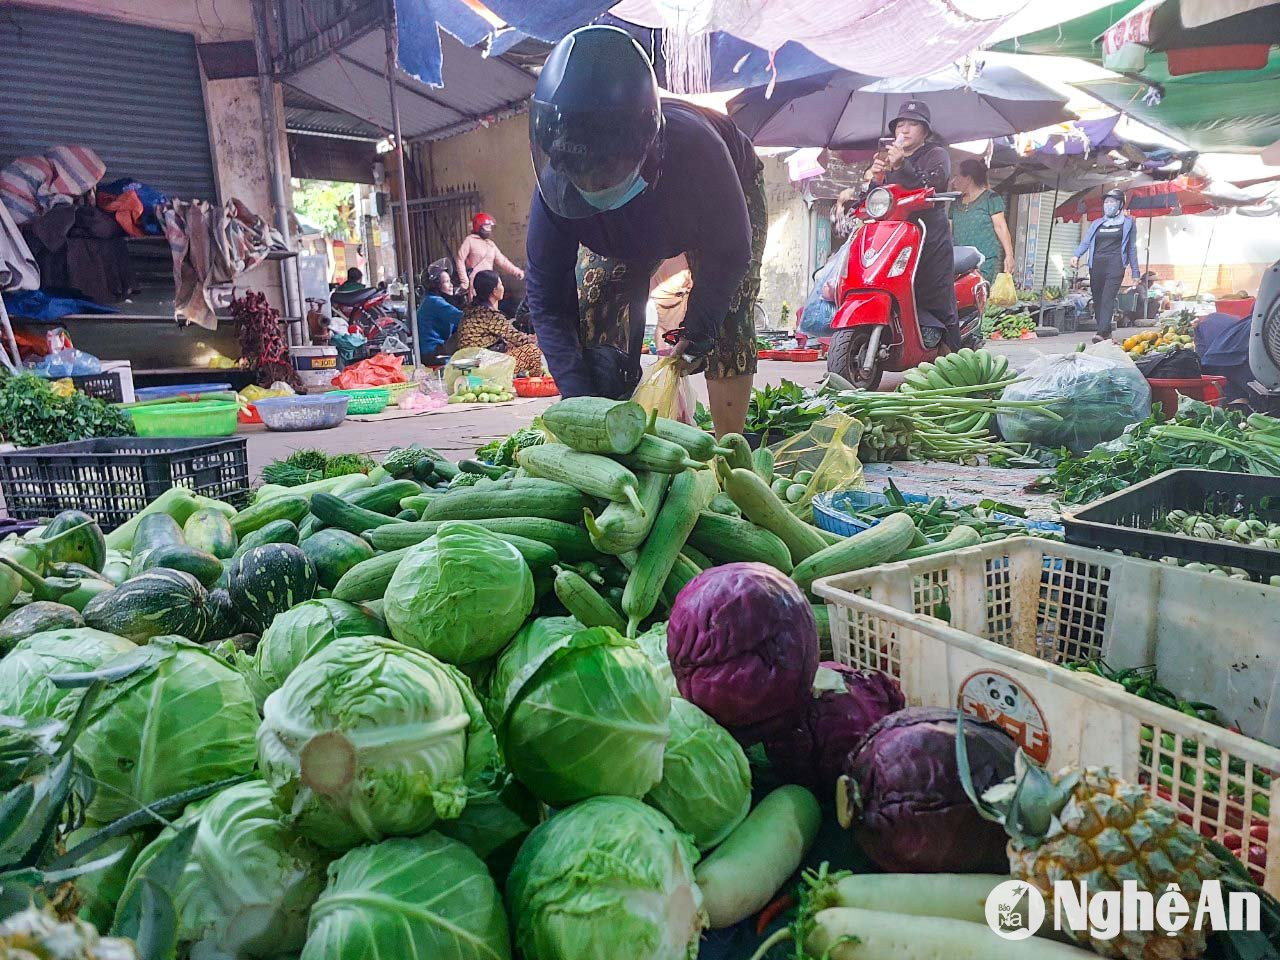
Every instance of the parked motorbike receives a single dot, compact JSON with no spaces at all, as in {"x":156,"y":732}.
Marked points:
{"x":368,"y":312}
{"x":876,"y":326}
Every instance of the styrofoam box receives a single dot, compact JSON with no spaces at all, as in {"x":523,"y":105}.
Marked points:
{"x":984,"y":629}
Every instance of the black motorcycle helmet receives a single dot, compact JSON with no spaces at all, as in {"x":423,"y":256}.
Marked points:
{"x":1115,"y":194}
{"x":595,"y":124}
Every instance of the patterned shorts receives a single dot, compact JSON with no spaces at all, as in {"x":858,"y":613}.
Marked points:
{"x":613,"y":292}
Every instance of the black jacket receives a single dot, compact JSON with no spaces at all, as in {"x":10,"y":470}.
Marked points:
{"x":930,"y":166}
{"x":697,"y":204}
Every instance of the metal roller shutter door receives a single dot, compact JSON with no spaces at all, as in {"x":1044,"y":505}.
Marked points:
{"x":131,"y":93}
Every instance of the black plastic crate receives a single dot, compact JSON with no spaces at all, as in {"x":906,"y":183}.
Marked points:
{"x":105,"y":386}
{"x":113,"y":478}
{"x":1123,"y":520}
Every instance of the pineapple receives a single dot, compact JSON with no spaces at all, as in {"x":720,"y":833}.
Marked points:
{"x":1087,"y":825}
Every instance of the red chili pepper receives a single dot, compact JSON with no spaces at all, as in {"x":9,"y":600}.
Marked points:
{"x":771,"y":912}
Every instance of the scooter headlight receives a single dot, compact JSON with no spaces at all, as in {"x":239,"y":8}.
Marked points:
{"x":878,"y":203}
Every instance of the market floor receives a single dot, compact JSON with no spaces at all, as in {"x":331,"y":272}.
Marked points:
{"x":458,"y":433}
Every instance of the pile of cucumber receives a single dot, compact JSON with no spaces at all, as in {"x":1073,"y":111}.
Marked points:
{"x":618,"y":511}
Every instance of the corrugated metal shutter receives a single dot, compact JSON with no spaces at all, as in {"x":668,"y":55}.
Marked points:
{"x":130,"y":93}
{"x":1034,"y":246}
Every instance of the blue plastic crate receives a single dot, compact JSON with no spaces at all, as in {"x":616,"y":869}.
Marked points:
{"x":833,"y":511}
{"x":178,"y":389}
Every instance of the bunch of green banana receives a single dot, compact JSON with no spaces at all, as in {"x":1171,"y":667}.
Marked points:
{"x":965,"y":368}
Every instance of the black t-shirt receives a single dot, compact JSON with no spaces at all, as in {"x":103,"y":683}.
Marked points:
{"x":1106,"y":244}
{"x":698,"y":205}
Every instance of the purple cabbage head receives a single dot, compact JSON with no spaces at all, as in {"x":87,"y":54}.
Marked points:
{"x":902,"y":792}
{"x":844,"y":705}
{"x":743,"y":646}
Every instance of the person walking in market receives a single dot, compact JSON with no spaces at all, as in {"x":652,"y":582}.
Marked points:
{"x":915,"y":159}
{"x":484,"y":325}
{"x":479,"y":251}
{"x":627,"y":180}
{"x":1109,"y":245}
{"x":977,"y":219}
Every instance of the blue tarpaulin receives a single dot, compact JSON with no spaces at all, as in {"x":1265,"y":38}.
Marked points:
{"x":418,"y":24}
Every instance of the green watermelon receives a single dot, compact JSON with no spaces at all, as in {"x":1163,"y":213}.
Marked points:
{"x":210,"y":531}
{"x":334,"y":552}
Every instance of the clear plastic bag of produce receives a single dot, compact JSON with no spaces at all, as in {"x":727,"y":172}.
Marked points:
{"x":664,"y":389}
{"x":829,"y":450}
{"x":1097,"y":393}
{"x":1003,"y":292}
{"x":480,"y":367}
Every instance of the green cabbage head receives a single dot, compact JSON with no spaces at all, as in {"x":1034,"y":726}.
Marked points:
{"x":608,"y":877}
{"x":654,"y":644}
{"x":370,"y":739}
{"x":305,"y":630}
{"x":427,"y":897}
{"x":706,"y":780}
{"x":247,"y":888}
{"x":182,"y":720}
{"x":25,"y":686}
{"x":581,"y":716}
{"x":460,"y":596}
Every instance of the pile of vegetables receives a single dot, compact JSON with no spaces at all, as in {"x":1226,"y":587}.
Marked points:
{"x":569,"y":708}
{"x":463,"y":392}
{"x":1199,"y":435}
{"x":32,"y":414}
{"x":1007,"y":323}
{"x":936,"y":519}
{"x":306,"y":466}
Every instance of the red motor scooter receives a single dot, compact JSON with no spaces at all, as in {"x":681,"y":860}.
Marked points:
{"x":876,"y":327}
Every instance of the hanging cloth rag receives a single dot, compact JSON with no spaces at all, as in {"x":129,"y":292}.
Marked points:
{"x":30,"y":185}
{"x":211,"y":246}
{"x":18,"y":270}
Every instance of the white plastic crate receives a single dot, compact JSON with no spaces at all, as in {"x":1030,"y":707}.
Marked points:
{"x":986,"y":628}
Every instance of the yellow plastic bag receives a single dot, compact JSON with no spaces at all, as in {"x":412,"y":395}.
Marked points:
{"x":829,"y":449}
{"x":1003,"y":293}
{"x":667,"y":391}
{"x":493,"y":370}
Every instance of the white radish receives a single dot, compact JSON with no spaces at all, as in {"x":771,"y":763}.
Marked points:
{"x":741,"y":875}
{"x":958,"y":896}
{"x":847,"y":933}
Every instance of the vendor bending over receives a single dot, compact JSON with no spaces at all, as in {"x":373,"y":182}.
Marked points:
{"x":634,"y":181}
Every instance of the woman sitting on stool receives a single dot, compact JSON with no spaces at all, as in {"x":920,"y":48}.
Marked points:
{"x":483,"y":325}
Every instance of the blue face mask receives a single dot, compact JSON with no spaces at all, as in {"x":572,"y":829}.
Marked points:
{"x":1110,"y":207}
{"x":611,"y":198}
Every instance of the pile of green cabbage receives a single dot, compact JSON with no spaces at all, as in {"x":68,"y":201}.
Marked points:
{"x":364,"y":797}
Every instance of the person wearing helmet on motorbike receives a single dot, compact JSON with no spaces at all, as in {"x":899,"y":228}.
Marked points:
{"x":915,"y":159}
{"x":1110,"y":245}
{"x":627,"y":180}
{"x":479,"y":252}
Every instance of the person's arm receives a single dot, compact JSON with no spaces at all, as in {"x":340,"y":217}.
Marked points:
{"x":1131,"y":249}
{"x":460,"y":261}
{"x":1006,"y":241}
{"x":1084,"y":244}
{"x":505,"y":265}
{"x":723,"y":244}
{"x":552,"y":290}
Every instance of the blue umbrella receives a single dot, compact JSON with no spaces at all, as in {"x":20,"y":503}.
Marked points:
{"x":848,"y":111}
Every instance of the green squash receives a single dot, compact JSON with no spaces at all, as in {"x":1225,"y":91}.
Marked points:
{"x":210,"y":531}
{"x":152,"y":604}
{"x":268,"y":580}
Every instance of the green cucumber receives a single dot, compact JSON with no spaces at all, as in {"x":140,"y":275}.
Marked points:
{"x":700,"y":444}
{"x":277,"y":531}
{"x":290,"y":507}
{"x":549,"y":499}
{"x":594,"y":475}
{"x":658,"y":554}
{"x":385,"y":497}
{"x":597,"y":425}
{"x":201,"y":564}
{"x":733,"y":540}
{"x":336,"y":512}
{"x":368,"y":579}
{"x":884,"y":542}
{"x":659,"y":456}
{"x":571,"y":544}
{"x":762,"y":507}
{"x":619,"y":528}
{"x":583,"y":602}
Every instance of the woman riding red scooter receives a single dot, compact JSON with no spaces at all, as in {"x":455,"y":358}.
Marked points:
{"x":903,"y":284}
